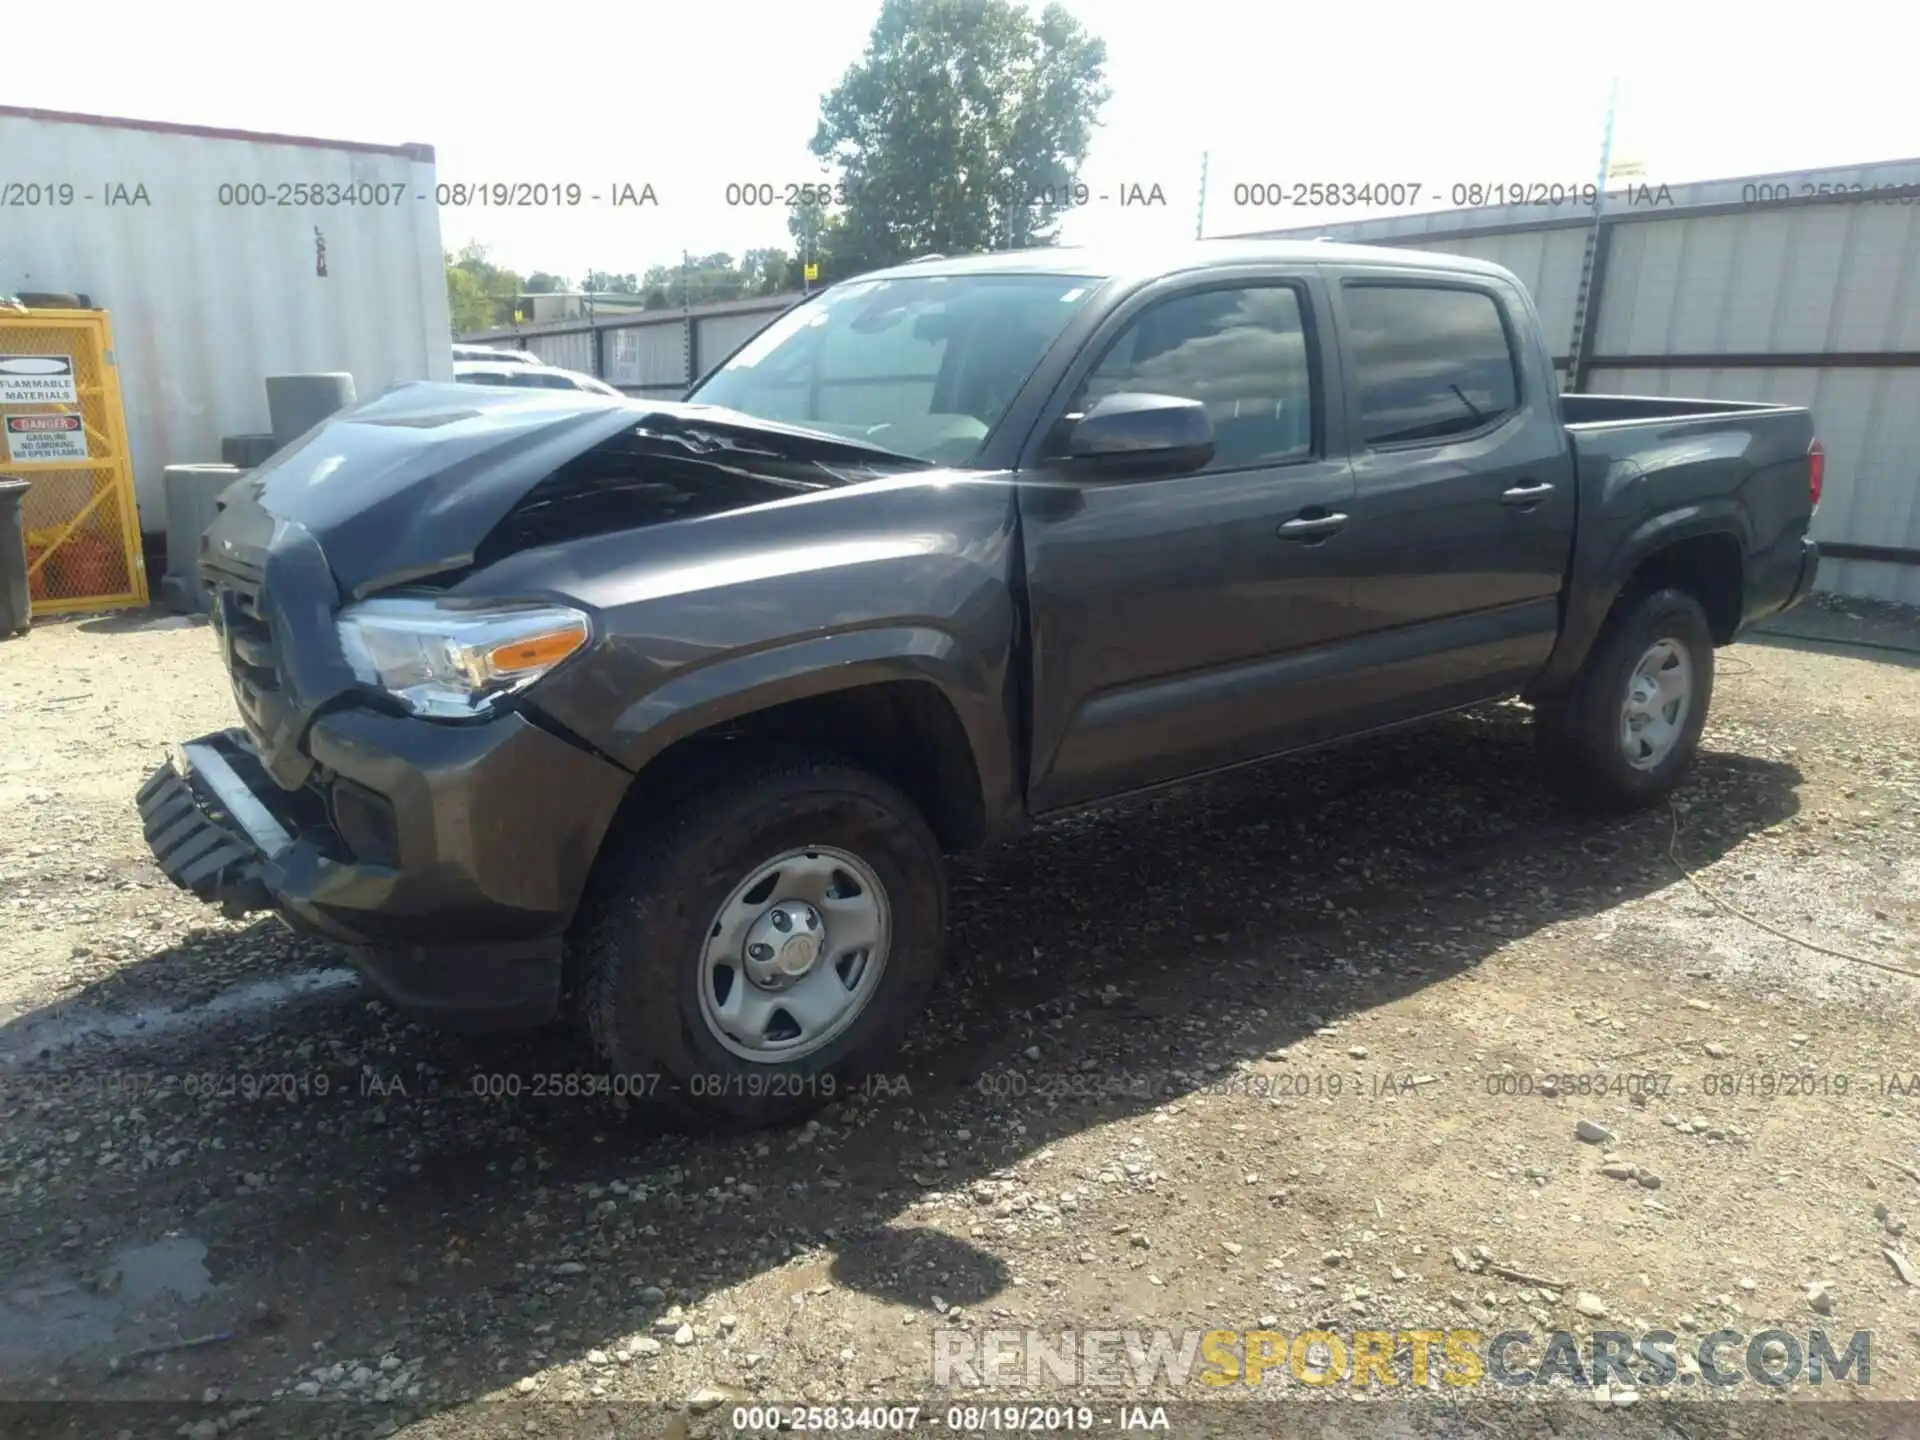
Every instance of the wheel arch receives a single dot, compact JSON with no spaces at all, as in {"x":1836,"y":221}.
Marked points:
{"x":1700,"y":551}
{"x":904,"y":702}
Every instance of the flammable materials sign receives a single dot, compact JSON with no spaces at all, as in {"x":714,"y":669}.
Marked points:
{"x":45,"y":437}
{"x":37,"y":380}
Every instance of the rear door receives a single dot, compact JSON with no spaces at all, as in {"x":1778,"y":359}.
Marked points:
{"x":1169,"y":616}
{"x":1464,"y":503}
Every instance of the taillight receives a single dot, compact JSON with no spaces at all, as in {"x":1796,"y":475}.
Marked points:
{"x":1816,"y":469}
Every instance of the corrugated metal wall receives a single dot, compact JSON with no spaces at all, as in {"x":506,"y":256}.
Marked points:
{"x":569,"y":352}
{"x":210,"y":294}
{"x":1699,"y":292}
{"x":718,"y":336}
{"x":647,"y":358}
{"x":1833,"y":280}
{"x":1836,"y":281}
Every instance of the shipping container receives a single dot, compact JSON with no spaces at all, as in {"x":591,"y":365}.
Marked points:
{"x":223,"y":257}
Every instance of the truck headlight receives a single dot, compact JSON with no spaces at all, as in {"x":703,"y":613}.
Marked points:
{"x":455,"y":663}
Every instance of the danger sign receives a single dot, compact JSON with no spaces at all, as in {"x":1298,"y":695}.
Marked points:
{"x":46,"y":437}
{"x":37,"y":380}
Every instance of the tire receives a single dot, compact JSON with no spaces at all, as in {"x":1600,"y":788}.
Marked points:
{"x":653,"y":991}
{"x":1583,"y":739}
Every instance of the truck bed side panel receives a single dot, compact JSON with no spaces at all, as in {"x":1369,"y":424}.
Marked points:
{"x":1647,"y":484}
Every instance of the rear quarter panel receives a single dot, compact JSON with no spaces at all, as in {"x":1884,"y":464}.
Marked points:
{"x":1647,"y":484}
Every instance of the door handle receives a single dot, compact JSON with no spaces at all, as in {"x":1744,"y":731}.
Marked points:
{"x":1529,"y":492}
{"x":1314,"y":527}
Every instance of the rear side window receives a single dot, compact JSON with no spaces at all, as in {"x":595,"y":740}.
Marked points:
{"x":1242,"y":353}
{"x":1430,"y":362}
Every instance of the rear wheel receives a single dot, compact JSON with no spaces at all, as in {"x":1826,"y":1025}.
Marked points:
{"x":767,"y":943}
{"x":1631,"y":726}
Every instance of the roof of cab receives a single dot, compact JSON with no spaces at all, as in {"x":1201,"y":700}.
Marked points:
{"x":1110,"y":262}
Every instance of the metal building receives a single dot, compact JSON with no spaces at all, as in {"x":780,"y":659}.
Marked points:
{"x":659,"y":354}
{"x":1800,"y":288}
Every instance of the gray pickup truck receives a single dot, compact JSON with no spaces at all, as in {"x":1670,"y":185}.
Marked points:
{"x":663,"y":715}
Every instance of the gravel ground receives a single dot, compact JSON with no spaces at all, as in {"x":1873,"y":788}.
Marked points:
{"x":1269,"y":1051}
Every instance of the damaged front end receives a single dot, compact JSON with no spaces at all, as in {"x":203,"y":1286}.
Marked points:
{"x":390,"y":787}
{"x":208,"y":831}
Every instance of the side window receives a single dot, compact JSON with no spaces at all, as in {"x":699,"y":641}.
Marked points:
{"x":1242,"y":353}
{"x":1430,"y":362}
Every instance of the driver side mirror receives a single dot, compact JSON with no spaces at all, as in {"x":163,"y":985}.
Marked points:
{"x":1139,"y":434}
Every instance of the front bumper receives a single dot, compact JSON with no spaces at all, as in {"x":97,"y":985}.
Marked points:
{"x":447,"y":860}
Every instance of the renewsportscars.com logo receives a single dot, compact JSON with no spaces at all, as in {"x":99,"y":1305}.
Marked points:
{"x":1120,"y":1359}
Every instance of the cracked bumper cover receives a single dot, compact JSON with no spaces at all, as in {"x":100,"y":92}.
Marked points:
{"x":493,"y":829}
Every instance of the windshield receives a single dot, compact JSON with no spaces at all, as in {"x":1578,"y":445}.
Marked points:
{"x":924,"y":365}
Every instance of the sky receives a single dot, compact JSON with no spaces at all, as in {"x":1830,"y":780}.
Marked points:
{"x":690,"y":99}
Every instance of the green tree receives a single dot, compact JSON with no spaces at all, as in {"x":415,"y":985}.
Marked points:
{"x":767,"y":271}
{"x":498,"y":287}
{"x":696,"y":280}
{"x":469,"y":307}
{"x":819,"y":235}
{"x":960,"y":129}
{"x":605,"y":282}
{"x":541,"y":283}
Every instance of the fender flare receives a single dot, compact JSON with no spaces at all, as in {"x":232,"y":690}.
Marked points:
{"x":740,"y":684}
{"x":1598,"y":581}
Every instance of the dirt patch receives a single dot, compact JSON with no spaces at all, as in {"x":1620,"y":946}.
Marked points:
{"x":1301,"y":1048}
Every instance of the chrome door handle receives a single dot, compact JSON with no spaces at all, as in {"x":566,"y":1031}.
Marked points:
{"x":1530,"y":492}
{"x":1317,"y":527}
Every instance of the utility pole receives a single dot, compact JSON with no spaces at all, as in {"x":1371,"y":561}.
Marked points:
{"x":1200,"y":221}
{"x":1583,"y":297}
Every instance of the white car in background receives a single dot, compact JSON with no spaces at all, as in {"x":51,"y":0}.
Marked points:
{"x":546,"y":377}
{"x":495,"y":356}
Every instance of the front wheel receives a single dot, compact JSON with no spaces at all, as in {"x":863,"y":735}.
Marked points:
{"x":1631,"y":725}
{"x":766,"y":945}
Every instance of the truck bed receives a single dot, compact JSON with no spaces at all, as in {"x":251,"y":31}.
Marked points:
{"x":1587,"y":410}
{"x":1651,"y":470}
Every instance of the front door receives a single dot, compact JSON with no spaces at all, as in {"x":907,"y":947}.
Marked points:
{"x":1174,"y":621}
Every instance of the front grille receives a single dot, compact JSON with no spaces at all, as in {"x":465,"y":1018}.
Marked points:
{"x":247,"y":644}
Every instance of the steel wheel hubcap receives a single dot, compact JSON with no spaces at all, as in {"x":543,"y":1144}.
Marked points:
{"x":794,"y":954}
{"x":1659,"y":696}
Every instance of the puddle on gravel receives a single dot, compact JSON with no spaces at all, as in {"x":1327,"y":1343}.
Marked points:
{"x":129,"y":1300}
{"x":60,"y":1028}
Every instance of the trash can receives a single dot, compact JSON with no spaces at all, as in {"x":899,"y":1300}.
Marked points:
{"x":16,"y":601}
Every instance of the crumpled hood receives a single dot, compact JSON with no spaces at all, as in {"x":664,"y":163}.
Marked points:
{"x":410,"y":483}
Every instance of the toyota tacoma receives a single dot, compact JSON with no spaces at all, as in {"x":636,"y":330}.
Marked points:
{"x":662,"y":715}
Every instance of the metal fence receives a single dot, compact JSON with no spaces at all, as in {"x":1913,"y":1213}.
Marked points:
{"x":1800,"y":288}
{"x":655,"y":354}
